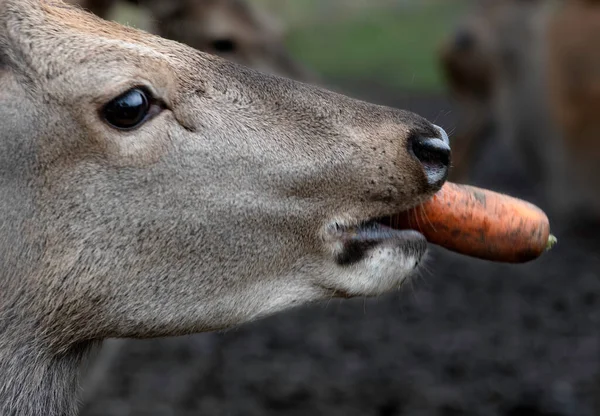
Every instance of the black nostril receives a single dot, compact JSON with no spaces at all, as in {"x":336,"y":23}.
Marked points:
{"x":464,"y":40}
{"x":434,"y":154}
{"x":431,"y":152}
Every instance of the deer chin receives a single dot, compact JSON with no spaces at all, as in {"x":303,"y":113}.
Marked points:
{"x":375,"y":258}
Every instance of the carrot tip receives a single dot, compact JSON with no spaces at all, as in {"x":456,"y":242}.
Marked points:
{"x":552,"y":240}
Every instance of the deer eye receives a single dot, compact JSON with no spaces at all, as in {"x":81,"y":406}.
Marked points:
{"x":129,"y":110}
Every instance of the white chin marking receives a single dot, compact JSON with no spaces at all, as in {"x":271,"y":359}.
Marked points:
{"x":383,"y":269}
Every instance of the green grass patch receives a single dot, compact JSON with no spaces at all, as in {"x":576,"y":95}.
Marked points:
{"x":394,"y":48}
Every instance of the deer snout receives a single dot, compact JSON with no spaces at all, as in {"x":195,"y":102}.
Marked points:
{"x":434,"y":155}
{"x":463,"y":40}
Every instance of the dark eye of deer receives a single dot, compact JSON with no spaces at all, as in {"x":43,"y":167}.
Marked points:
{"x":223,"y":45}
{"x":128,"y":110}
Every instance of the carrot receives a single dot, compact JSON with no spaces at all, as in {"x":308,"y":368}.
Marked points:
{"x":481,"y":223}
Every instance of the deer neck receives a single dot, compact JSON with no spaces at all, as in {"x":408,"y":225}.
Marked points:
{"x":35,"y":382}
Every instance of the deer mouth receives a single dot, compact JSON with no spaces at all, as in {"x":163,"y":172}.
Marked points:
{"x":355,"y":242}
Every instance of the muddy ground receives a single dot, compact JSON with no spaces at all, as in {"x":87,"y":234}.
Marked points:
{"x":464,"y":338}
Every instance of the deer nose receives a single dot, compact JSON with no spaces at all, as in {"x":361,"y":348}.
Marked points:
{"x":464,"y":40}
{"x":434,"y":155}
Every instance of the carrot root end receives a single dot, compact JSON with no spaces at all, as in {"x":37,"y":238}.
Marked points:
{"x":552,"y":240}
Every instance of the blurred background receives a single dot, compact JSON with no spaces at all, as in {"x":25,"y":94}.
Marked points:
{"x":517,"y":84}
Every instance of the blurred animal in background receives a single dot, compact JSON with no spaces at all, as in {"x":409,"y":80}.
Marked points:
{"x":236,"y":30}
{"x":488,"y":60}
{"x":528,"y":72}
{"x":467,"y":62}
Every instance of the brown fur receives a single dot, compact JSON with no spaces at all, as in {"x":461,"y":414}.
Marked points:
{"x":229,"y":205}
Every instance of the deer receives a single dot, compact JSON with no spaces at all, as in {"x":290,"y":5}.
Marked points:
{"x":467,"y":64}
{"x":149,"y":189}
{"x":237,"y":30}
{"x":502,"y":67}
{"x":491,"y":63}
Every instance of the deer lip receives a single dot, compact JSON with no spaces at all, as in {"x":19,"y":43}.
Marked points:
{"x":357,"y":240}
{"x":379,"y":228}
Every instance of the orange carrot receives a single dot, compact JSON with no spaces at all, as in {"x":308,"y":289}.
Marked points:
{"x":481,"y":223}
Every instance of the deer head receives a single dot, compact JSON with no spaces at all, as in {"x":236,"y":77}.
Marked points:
{"x":148,"y":189}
